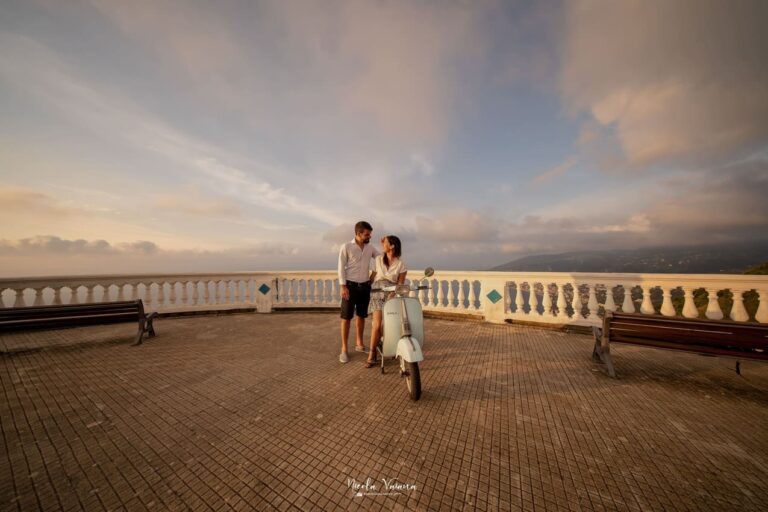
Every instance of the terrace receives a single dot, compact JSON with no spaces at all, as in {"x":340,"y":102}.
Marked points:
{"x":253,"y":411}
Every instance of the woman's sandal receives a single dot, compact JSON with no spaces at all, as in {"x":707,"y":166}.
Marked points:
{"x":370,"y":364}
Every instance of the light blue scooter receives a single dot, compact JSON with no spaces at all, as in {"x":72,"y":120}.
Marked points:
{"x":403,"y":332}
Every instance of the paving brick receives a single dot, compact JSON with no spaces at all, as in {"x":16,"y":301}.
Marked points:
{"x":254,"y":412}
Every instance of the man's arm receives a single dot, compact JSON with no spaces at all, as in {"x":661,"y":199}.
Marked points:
{"x":343,"y":257}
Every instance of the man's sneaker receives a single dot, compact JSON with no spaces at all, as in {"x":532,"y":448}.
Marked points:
{"x":343,"y":357}
{"x":361,"y":349}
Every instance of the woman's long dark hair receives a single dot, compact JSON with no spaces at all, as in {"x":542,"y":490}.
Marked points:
{"x":397,"y":247}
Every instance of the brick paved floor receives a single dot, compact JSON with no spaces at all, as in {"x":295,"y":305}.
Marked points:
{"x":253,"y":412}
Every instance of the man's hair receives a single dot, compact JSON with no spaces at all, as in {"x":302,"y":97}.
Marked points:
{"x":362,"y":226}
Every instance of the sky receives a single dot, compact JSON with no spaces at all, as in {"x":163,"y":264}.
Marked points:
{"x":164,"y":136}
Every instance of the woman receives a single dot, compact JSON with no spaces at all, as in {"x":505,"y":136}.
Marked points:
{"x":389,"y":269}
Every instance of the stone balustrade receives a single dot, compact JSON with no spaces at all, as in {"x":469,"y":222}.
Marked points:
{"x":539,"y":297}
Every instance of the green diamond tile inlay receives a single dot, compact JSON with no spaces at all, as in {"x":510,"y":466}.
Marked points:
{"x":494,"y":296}
{"x":264,"y":289}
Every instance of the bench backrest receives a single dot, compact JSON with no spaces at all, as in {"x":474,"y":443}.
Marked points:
{"x":32,"y":317}
{"x":705,"y":336}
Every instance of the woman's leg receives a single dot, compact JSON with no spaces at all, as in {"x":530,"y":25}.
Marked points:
{"x":375,"y":334}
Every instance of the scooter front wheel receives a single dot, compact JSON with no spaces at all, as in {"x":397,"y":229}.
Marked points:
{"x":412,"y":378}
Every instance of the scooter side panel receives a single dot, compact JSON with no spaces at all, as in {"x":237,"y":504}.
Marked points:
{"x":392,"y":323}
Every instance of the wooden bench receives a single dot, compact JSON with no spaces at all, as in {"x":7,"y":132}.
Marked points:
{"x":75,"y":315}
{"x":709,"y":337}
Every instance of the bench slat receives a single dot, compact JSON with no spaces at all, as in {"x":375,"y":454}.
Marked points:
{"x":688,"y":347}
{"x":710,"y":337}
{"x":52,"y":307}
{"x":67,"y":313}
{"x":74,"y":315}
{"x":732,"y":337}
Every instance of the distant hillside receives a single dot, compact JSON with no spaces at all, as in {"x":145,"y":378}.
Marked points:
{"x":722,"y":259}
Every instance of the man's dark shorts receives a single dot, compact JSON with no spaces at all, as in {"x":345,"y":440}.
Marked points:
{"x":359,"y":298}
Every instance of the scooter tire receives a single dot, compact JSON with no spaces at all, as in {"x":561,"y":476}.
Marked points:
{"x":413,"y":380}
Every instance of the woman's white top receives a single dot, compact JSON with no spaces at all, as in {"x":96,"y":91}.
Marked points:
{"x":391,"y":273}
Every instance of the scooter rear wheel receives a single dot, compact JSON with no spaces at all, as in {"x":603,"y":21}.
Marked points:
{"x":412,"y":378}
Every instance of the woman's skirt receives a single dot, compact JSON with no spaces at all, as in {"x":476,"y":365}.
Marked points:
{"x":379,"y":298}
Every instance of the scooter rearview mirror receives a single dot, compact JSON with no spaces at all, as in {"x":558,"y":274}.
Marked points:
{"x":428,"y":272}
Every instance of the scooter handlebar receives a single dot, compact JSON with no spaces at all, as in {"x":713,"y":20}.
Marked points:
{"x":394,"y":288}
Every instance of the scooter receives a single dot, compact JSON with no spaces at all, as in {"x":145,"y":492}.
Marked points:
{"x":403,"y":331}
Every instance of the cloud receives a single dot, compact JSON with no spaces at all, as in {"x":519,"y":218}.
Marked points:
{"x":26,"y":201}
{"x":681,"y":81}
{"x":37,"y":70}
{"x":422,"y":164}
{"x":190,"y":201}
{"x":458,"y":226}
{"x":55,"y":255}
{"x":555,"y":172}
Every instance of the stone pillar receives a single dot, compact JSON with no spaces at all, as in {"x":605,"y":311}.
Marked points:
{"x":713,"y":307}
{"x":689,"y":306}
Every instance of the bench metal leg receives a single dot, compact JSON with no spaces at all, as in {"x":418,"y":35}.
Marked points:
{"x":602,"y":351}
{"x":150,"y":325}
{"x":597,"y":352}
{"x":145,"y":327}
{"x":738,"y":367}
{"x":140,"y":335}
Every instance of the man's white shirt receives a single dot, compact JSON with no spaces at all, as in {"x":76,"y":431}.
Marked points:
{"x":355,"y":263}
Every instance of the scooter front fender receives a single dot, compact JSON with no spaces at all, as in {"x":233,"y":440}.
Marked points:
{"x":409,"y":349}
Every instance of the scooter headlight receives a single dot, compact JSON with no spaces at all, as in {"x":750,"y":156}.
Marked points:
{"x":403,"y":289}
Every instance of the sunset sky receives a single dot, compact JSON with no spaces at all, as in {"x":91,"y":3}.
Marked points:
{"x":165,"y":136}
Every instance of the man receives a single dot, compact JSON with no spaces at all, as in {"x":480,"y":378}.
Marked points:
{"x":355,"y":280}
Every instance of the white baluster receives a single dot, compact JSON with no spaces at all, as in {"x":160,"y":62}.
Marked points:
{"x":610,"y":303}
{"x":440,"y":295}
{"x":546,"y":300}
{"x":206,"y":292}
{"x":74,"y":298}
{"x":184,"y":293}
{"x":667,"y":309}
{"x":646,"y":307}
{"x":762,"y":309}
{"x":519,"y":300}
{"x":592,"y":303}
{"x":562,"y":304}
{"x":738,"y":313}
{"x":318,"y":291}
{"x":195,"y":293}
{"x":56,"y":296}
{"x":577,"y":304}
{"x":172,"y":293}
{"x":465,"y":295}
{"x":713,"y":307}
{"x":160,"y":294}
{"x":628,"y":306}
{"x":132,"y":293}
{"x":146,"y":295}
{"x":89,"y":295}
{"x":459,"y":295}
{"x":19,"y":302}
{"x":475,"y":291}
{"x":38,"y":297}
{"x":689,"y":306}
